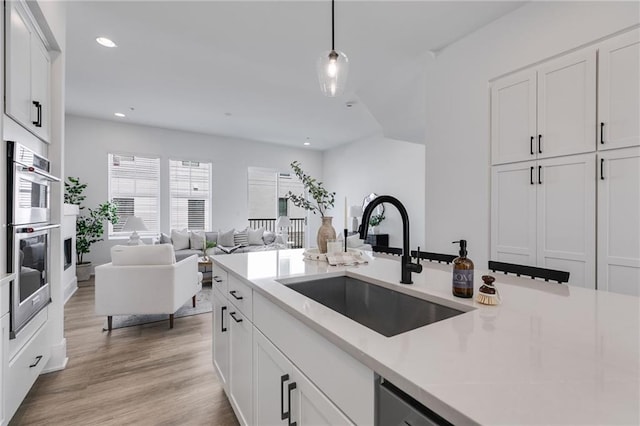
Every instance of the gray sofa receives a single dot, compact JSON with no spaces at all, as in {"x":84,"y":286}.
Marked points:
{"x":268,"y":242}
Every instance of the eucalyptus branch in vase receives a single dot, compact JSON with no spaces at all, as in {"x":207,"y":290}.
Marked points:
{"x":322,"y":199}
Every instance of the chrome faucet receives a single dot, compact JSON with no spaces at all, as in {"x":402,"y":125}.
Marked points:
{"x":407,"y":266}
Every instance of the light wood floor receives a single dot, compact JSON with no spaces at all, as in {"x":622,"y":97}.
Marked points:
{"x":144,"y":375}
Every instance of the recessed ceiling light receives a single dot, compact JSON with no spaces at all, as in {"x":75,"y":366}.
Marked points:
{"x":119,"y":114}
{"x":307,"y":143}
{"x":103,"y":41}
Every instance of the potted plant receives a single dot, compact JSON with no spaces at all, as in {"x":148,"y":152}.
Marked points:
{"x":208,"y":245}
{"x":89,"y":226}
{"x":374,"y":221}
{"x":321,"y":200}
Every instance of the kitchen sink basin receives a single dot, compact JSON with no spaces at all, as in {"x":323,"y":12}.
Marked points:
{"x":385,"y":311}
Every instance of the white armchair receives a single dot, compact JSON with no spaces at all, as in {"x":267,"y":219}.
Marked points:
{"x":145,"y":280}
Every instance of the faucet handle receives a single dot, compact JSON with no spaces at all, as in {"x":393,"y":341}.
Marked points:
{"x":418,"y":255}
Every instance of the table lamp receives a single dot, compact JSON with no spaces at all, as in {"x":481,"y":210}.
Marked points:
{"x":355,"y":212}
{"x":135,"y":224}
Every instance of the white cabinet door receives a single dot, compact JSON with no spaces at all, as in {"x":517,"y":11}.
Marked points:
{"x":513,"y":118}
{"x":40,"y":92}
{"x":241,"y":365}
{"x":18,"y":66}
{"x":513,"y":213}
{"x":4,"y":361}
{"x":619,"y":221}
{"x":283,"y":395}
{"x":566,"y":204}
{"x":619,"y":91}
{"x":567,"y":105}
{"x":220,"y":314}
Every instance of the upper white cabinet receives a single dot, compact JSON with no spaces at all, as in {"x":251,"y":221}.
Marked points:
{"x":545,"y":112}
{"x":618,"y":221}
{"x":618,"y":91}
{"x":28,"y":68}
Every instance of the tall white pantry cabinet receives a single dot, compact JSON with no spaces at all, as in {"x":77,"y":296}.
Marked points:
{"x":564,"y":138}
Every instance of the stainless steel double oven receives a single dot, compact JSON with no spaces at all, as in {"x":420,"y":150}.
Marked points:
{"x":29,"y":235}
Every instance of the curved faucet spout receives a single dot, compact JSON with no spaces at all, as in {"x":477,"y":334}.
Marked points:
{"x":407,"y":266}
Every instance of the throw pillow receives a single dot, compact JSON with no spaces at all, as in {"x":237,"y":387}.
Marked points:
{"x":180,"y":239}
{"x":241,"y":238}
{"x":226,"y":238}
{"x":255,"y":236}
{"x":196,"y":239}
{"x":164,"y":238}
{"x":212,"y":237}
{"x":268,"y":237}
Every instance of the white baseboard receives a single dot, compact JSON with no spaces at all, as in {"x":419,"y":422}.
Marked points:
{"x":70,"y":289}
{"x":59,"y":359}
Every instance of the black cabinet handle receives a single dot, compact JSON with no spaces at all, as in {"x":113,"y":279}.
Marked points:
{"x":233,"y":293}
{"x":602,"y":133}
{"x":283,"y":414}
{"x":531,"y":146}
{"x":531,"y":176}
{"x":38,"y":122}
{"x":602,"y":168}
{"x":539,"y":175}
{"x":290,"y":387}
{"x":222,"y":327}
{"x":233,"y":315}
{"x":539,"y":144}
{"x":38,"y":358}
{"x":217,"y":279}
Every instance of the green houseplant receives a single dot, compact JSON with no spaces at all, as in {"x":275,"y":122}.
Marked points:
{"x":321,"y":200}
{"x":89,"y":224}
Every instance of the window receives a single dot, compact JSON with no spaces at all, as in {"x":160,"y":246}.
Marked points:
{"x":190,"y":194}
{"x":134,"y":186}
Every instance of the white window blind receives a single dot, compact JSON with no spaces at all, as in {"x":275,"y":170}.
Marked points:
{"x":190,"y":193}
{"x":134,"y":185}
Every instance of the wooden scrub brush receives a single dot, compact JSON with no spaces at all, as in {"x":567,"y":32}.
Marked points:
{"x":488,"y":294}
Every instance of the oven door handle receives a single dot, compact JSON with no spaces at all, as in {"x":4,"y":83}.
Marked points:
{"x":29,"y":230}
{"x":45,"y":175}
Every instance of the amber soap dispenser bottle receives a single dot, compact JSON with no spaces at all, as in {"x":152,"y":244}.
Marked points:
{"x":462,"y":273}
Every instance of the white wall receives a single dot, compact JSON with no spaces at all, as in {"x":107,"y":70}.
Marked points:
{"x":90,"y":140}
{"x":458,"y":151}
{"x":386,"y":167}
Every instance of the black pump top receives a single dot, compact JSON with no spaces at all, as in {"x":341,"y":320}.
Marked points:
{"x":463,"y":247}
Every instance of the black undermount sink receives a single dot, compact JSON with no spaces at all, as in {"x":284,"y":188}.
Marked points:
{"x":385,"y":311}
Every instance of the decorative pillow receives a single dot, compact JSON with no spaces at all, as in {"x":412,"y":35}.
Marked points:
{"x":161,"y":254}
{"x":164,"y":238}
{"x":180,"y":239}
{"x":255,"y":236}
{"x":212,"y":237}
{"x":241,"y":238}
{"x":226,"y":238}
{"x":196,"y":240}
{"x":268,"y":237}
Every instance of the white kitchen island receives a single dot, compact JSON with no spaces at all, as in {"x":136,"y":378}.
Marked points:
{"x":549,"y":354}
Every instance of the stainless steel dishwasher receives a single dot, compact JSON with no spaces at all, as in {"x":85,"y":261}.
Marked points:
{"x":394,"y":407}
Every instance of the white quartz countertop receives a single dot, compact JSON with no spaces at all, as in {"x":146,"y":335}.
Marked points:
{"x":549,"y":354}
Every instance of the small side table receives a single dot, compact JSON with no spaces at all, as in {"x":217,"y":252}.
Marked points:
{"x":206,"y":267}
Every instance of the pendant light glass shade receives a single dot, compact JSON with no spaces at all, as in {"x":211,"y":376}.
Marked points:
{"x":333,"y":67}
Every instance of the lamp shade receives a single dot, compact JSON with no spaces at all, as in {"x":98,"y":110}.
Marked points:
{"x":134,"y":223}
{"x":283,"y":222}
{"x":355,"y":211}
{"x":333,"y":67}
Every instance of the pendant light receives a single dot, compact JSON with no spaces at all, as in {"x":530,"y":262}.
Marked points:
{"x":333,"y":66}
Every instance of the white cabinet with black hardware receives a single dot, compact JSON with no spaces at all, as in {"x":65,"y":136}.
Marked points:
{"x":618,"y":220}
{"x":220,"y":314}
{"x":298,"y":401}
{"x":543,"y":214}
{"x":545,"y":112}
{"x":28,"y":70}
{"x":619,"y":91}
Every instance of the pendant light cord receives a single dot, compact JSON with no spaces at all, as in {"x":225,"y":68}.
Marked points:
{"x":333,"y":32}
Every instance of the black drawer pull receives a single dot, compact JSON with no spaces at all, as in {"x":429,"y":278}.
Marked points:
{"x":291,"y":387}
{"x":602,"y":133}
{"x":222,"y":327}
{"x":531,"y":176}
{"x":38,"y":122}
{"x":539,"y":144}
{"x":217,"y":279}
{"x":602,"y":168}
{"x":531,"y":146}
{"x":233,"y":315}
{"x":540,"y":175}
{"x":233,"y":293}
{"x":283,"y":414}
{"x":38,"y":358}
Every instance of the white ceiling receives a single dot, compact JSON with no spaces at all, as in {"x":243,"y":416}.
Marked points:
{"x":187,"y":65}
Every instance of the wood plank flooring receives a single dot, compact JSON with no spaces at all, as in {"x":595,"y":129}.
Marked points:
{"x":143,"y":375}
